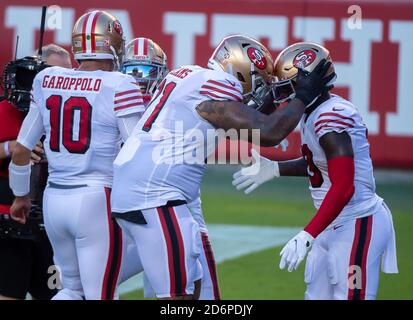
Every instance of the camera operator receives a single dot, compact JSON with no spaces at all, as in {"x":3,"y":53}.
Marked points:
{"x":25,"y":251}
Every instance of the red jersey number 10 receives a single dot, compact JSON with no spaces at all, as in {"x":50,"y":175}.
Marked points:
{"x":66,"y":129}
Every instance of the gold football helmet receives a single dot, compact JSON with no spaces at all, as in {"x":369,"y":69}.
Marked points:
{"x":147,"y":63}
{"x":248,"y":61}
{"x":304,"y":55}
{"x":98,"y":35}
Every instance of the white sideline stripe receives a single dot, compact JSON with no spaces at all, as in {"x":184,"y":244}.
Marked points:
{"x":232,"y":241}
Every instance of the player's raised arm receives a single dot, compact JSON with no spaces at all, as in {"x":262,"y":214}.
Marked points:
{"x":276,"y":126}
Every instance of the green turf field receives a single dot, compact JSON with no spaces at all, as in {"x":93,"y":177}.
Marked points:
{"x":287,"y":202}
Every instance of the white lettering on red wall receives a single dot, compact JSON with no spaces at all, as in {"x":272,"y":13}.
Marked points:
{"x":373,"y":61}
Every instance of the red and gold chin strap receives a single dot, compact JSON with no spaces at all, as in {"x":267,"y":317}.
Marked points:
{"x":341,"y":174}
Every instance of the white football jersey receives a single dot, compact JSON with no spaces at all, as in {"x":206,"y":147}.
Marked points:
{"x":164,"y":158}
{"x":339,"y":115}
{"x":79,"y":111}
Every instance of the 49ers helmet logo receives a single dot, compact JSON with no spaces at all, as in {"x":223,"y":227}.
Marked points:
{"x":304,"y":58}
{"x":257,"y":58}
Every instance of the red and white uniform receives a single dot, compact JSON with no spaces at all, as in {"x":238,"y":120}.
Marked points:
{"x":164,"y":158}
{"x":132,"y":265}
{"x":209,"y":285}
{"x":83,"y":115}
{"x":362,"y":234}
{"x":79,"y":112}
{"x":340,"y":115}
{"x":163,"y":162}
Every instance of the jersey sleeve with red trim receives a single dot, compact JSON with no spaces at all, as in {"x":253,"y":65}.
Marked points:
{"x":335,"y":117}
{"x":128,"y":98}
{"x":221,"y":86}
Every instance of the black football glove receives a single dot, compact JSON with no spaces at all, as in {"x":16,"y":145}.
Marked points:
{"x":310,"y":85}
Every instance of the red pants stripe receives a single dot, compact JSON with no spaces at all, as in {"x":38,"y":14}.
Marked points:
{"x":175,"y":249}
{"x":358,"y":258}
{"x":110,"y":279}
{"x":209,"y":255}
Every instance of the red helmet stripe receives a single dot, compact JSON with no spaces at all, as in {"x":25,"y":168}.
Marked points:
{"x":145,"y":46}
{"x":93,"y":32}
{"x":140,"y":44}
{"x":135,"y":47}
{"x":84,"y":32}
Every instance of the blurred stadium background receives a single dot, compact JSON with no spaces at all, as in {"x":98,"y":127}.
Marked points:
{"x":371,"y":44}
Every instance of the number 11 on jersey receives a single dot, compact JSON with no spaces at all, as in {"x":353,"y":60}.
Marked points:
{"x":166,"y":91}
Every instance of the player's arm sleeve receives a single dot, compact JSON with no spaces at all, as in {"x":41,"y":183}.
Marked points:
{"x":127,"y":123}
{"x":221,"y":88}
{"x":341,"y":174}
{"x":128,"y":98}
{"x":339,"y":118}
{"x":32,"y":128}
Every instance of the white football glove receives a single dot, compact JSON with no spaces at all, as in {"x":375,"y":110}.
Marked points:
{"x":295,"y":250}
{"x":250,"y":178}
{"x":283,"y":144}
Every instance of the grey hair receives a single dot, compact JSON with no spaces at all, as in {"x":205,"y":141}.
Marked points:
{"x":50,"y":49}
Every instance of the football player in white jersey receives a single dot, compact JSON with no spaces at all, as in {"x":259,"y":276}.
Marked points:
{"x":352,"y":231}
{"x":160,"y":167}
{"x":84,"y":114}
{"x":147,"y":63}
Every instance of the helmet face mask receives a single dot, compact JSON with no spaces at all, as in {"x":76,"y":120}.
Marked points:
{"x":283,"y":90}
{"x":259,"y":89}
